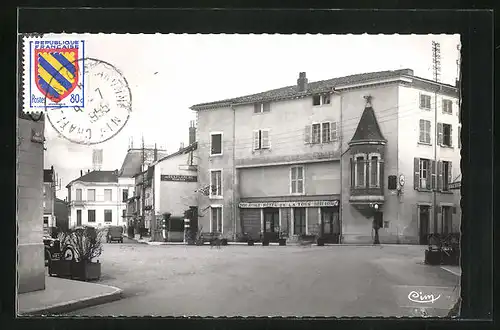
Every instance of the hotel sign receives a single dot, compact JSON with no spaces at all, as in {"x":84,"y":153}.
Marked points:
{"x":179,"y":178}
{"x":455,"y":185}
{"x":289,"y":204}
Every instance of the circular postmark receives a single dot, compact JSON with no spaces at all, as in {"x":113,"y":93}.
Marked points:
{"x":104,"y":104}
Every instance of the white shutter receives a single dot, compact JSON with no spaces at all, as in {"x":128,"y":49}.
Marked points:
{"x":333,"y":131}
{"x":266,"y":143}
{"x":256,"y":140}
{"x":440,"y":134}
{"x":307,"y":134}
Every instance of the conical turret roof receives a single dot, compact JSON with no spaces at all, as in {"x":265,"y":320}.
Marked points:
{"x":368,"y":129}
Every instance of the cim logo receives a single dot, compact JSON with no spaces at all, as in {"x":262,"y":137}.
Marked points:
{"x":421,"y":298}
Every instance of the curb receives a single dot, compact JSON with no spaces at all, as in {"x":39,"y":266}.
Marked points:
{"x":74,"y":305}
{"x":450,"y":271}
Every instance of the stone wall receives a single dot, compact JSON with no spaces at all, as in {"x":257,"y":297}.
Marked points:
{"x":29,"y":179}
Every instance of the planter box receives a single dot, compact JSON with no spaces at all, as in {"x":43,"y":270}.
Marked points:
{"x":223,"y":241}
{"x":86,"y":271}
{"x":282,"y":241}
{"x":433,"y":257}
{"x":320,"y":242}
{"x":451,"y":258}
{"x":60,"y":268}
{"x":265,"y":243}
{"x":250,"y":243}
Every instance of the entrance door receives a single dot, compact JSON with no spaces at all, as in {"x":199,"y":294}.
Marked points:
{"x":271,"y":223}
{"x":330,"y":226}
{"x":423,"y":225}
{"x":78,"y":218}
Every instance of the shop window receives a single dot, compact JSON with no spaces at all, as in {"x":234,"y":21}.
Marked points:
{"x":299,"y":220}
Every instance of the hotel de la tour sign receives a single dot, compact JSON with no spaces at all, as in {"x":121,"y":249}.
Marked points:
{"x":289,"y":204}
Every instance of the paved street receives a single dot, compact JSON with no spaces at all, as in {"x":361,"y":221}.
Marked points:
{"x":176,"y":280}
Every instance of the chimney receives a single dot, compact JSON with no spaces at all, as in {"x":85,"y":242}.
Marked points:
{"x":88,"y":171}
{"x":192,"y":132}
{"x":181,"y":146}
{"x":81,"y":173}
{"x":408,"y":72}
{"x":302,"y":82}
{"x":155,"y":155}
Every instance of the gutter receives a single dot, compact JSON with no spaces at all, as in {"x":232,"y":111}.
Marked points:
{"x":341,"y":139}
{"x":235,"y":186}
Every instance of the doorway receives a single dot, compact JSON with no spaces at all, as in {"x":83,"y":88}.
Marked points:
{"x":271,"y":223}
{"x":330,"y":226}
{"x":423,"y":224}
{"x":78,"y":218}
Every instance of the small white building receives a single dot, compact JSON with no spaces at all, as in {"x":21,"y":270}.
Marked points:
{"x":97,"y":199}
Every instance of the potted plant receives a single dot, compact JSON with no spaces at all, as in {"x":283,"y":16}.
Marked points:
{"x":434,"y":252}
{"x":87,"y":243}
{"x":283,"y":235}
{"x":316,"y":232}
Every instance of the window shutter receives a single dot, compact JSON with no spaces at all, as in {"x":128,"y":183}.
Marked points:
{"x":459,"y":137}
{"x":256,"y":108}
{"x":422,"y":101}
{"x":440,"y":134}
{"x":450,"y":176}
{"x":333,"y":131}
{"x":307,"y":134}
{"x":381,"y":179}
{"x":266,"y":107}
{"x":351,"y":166}
{"x":451,"y":136}
{"x":266,"y":143}
{"x":256,"y":140}
{"x":433,"y":175}
{"x":440,"y":175}
{"x":421,"y":130}
{"x":416,"y":171}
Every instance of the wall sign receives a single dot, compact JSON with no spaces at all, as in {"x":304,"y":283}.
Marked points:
{"x":455,"y":185}
{"x":37,"y":136}
{"x":289,"y":204}
{"x":179,"y":178}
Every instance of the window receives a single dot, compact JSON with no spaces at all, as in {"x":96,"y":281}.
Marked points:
{"x":299,"y":220}
{"x":324,"y":132}
{"x":445,"y":175}
{"x":46,"y":221}
{"x":446,"y":220}
{"x":360,"y":171}
{"x":297,"y":180}
{"x":108,"y":215}
{"x":261,"y":139}
{"x":447,"y":106}
{"x":108,"y":194}
{"x":216,"y":183}
{"x":459,"y":137}
{"x":321,"y":99}
{"x":78,"y":194}
{"x":124,"y":195}
{"x":215,"y":144}
{"x":425,"y":171}
{"x":262,"y":107}
{"x":374,"y":171}
{"x":425,"y":131}
{"x":216,"y":219}
{"x":91,"y":216}
{"x":316,"y":133}
{"x":91,"y":195}
{"x":44,"y":203}
{"x":124,"y":215}
{"x":444,"y":135}
{"x":425,"y":101}
{"x":386,"y":224}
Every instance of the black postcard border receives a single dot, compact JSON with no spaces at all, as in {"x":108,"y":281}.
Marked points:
{"x":476,"y":29}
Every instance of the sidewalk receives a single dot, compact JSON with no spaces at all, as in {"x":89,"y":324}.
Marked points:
{"x":62,"y":296}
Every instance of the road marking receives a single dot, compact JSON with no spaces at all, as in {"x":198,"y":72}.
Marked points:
{"x":452,"y":271}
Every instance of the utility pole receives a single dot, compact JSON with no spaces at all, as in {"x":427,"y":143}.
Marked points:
{"x":436,"y":69}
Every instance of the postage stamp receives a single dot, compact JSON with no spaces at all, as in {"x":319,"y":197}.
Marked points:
{"x":86,"y":100}
{"x":54,"y":74}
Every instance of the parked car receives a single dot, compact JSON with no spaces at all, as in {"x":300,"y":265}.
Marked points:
{"x":52,"y":248}
{"x":115,"y":233}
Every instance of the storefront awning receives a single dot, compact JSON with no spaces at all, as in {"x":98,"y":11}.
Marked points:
{"x":258,"y":205}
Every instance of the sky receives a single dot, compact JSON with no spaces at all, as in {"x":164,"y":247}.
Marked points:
{"x":169,"y":73}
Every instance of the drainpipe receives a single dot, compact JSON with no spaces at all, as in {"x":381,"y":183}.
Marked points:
{"x":235,"y":186}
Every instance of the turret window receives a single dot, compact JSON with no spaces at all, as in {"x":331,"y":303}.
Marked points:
{"x":360,"y":171}
{"x":374,"y":166}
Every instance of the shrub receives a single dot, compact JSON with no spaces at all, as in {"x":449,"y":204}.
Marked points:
{"x":87,"y":242}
